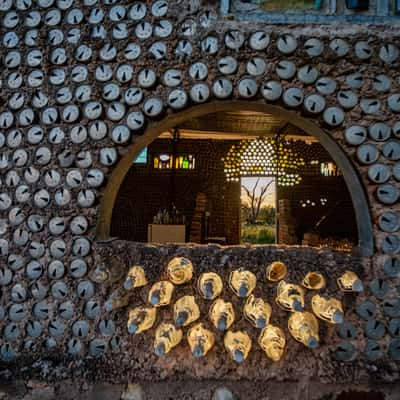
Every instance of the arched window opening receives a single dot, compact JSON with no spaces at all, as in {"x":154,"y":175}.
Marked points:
{"x":236,"y":177}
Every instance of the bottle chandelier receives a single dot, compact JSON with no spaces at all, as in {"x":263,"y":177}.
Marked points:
{"x":263,"y":157}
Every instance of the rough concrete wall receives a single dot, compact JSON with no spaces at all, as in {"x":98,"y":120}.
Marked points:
{"x":62,"y":134}
{"x":187,"y":389}
{"x":138,"y":362}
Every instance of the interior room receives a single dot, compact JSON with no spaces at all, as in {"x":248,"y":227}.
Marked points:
{"x":235,"y":178}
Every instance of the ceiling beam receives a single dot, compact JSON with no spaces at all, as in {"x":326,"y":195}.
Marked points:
{"x":216,"y":135}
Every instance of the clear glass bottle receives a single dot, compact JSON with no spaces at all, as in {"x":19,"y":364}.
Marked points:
{"x":290,"y":297}
{"x":238,"y":345}
{"x":141,"y":319}
{"x":191,"y":161}
{"x":186,"y":311}
{"x":166,"y":338}
{"x":135,"y":278}
{"x":167,"y":218}
{"x":160,"y":293}
{"x":242,"y":282}
{"x":172,"y":214}
{"x":222,"y":314}
{"x":350,"y":282}
{"x":276,"y":271}
{"x":329,"y":310}
{"x":303,"y":326}
{"x":200,"y":340}
{"x":159,"y":217}
{"x":272,"y":340}
{"x":257,"y":311}
{"x":180,"y":270}
{"x":209,"y":285}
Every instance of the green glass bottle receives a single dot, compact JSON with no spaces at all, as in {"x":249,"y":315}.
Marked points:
{"x":185,"y":163}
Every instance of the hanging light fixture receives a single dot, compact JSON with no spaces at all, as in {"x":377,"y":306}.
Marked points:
{"x":263,"y":157}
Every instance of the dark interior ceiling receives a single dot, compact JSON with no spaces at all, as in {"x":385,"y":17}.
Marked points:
{"x":237,"y":125}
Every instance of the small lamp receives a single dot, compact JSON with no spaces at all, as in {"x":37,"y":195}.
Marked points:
{"x":357,"y":4}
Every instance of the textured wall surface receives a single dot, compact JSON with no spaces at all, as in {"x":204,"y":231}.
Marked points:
{"x":81,"y":81}
{"x":191,"y":389}
{"x":222,"y":260}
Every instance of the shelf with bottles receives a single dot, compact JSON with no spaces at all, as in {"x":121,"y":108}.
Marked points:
{"x":179,"y":162}
{"x":329,"y":169}
{"x":323,"y":168}
{"x":169,"y":217}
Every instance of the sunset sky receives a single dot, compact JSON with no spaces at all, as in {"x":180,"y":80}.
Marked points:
{"x":250,"y":182}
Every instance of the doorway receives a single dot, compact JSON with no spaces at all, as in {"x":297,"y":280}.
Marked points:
{"x":258,"y":210}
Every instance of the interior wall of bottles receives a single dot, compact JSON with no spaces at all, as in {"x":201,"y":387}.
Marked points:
{"x":320,"y":203}
{"x":321,"y":206}
{"x":147,"y":189}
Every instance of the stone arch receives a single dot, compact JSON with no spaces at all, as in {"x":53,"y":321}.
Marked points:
{"x":355,"y":187}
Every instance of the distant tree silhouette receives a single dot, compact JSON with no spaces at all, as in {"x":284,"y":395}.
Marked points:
{"x":255,"y":200}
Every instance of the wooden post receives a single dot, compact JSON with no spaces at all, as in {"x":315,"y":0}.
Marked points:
{"x":173,"y":171}
{"x":276,"y":212}
{"x":277,"y":141}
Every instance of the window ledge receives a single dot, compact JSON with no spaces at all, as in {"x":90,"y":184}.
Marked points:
{"x":297,"y":18}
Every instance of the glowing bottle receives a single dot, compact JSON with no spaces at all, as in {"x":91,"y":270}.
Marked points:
{"x":180,"y":270}
{"x":350,"y":282}
{"x":303,"y":326}
{"x":242,"y":282}
{"x":276,"y":271}
{"x":209,"y":285}
{"x":290,"y":297}
{"x":141,"y":319}
{"x":272,"y":341}
{"x":257,"y":311}
{"x":160,"y":293}
{"x":314,"y":281}
{"x":135,"y":278}
{"x":238,"y":345}
{"x":200,"y":340}
{"x":166,"y":338}
{"x":119,"y":298}
{"x":329,"y":310}
{"x":222,"y":314}
{"x":186,"y":311}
